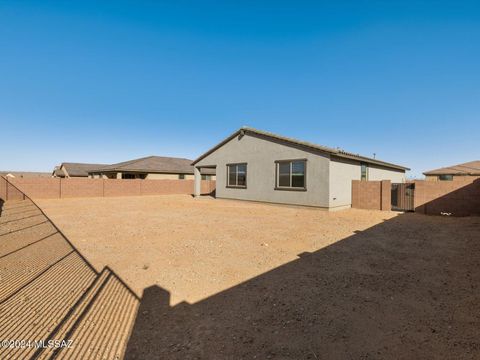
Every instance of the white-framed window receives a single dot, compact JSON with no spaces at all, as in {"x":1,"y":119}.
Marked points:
{"x":237,"y":175}
{"x":291,"y":174}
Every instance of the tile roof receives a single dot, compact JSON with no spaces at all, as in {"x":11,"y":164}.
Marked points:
{"x":468,"y":168}
{"x":154,"y":164}
{"x":290,"y":141}
{"x":80,"y":169}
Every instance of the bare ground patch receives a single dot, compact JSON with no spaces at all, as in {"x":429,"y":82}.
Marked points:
{"x":223,"y":279}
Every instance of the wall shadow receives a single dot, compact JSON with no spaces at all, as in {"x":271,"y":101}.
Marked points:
{"x":406,"y":288}
{"x":49,"y":291}
{"x":463,"y":201}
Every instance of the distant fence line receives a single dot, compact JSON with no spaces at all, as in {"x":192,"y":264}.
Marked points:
{"x":460,"y":197}
{"x":57,"y":188}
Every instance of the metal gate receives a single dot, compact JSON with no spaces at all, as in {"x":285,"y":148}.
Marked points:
{"x":402,"y":197}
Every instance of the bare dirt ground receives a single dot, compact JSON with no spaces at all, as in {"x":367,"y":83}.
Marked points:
{"x":223,"y":279}
{"x":195,"y":248}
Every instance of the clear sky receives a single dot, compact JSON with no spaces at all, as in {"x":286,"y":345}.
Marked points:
{"x":98,"y":81}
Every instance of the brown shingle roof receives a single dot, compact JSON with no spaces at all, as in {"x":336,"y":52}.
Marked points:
{"x":305,"y":144}
{"x":468,"y":168}
{"x":80,"y":169}
{"x":154,"y":164}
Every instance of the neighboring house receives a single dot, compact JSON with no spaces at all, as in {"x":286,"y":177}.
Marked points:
{"x":71,"y":170}
{"x":449,"y":173}
{"x":25,"y":174}
{"x":256,"y":165}
{"x":151,"y":167}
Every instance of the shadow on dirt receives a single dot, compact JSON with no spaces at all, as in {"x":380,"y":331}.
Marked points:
{"x":404,"y":289}
{"x":49,"y":291}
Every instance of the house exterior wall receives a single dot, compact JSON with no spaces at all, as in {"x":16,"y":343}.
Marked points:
{"x":343,"y":171}
{"x":260,"y":155}
{"x":378,"y":173}
{"x":166,"y":176}
{"x":97,"y":176}
{"x":172,"y":176}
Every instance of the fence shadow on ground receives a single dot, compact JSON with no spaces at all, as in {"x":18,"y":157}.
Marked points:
{"x":393,"y":291}
{"x":49,"y":291}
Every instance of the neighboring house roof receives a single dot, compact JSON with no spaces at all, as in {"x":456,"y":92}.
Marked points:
{"x":25,"y":174}
{"x":153,"y":164}
{"x":468,"y":168}
{"x":58,"y":172}
{"x":80,"y":169}
{"x":307,"y":145}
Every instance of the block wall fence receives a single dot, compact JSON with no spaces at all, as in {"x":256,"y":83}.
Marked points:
{"x":372,"y":195}
{"x":56,"y":188}
{"x":460,"y":197}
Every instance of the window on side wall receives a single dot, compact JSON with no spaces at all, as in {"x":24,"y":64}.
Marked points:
{"x":181,"y":176}
{"x":206,"y":177}
{"x":445,"y":177}
{"x":291,"y":174}
{"x":237,"y":175}
{"x":364,"y":171}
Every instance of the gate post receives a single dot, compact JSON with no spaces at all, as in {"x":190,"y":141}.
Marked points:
{"x":385,"y":195}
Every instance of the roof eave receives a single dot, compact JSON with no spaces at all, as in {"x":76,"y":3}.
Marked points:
{"x":371,"y":161}
{"x":299,"y":143}
{"x":219,"y":145}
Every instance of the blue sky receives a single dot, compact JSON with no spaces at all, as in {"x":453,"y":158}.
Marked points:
{"x":111,"y":81}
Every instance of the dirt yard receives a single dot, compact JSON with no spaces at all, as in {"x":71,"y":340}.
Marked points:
{"x":226,"y":279}
{"x":195,"y":248}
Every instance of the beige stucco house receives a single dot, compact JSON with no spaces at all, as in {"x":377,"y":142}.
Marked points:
{"x":256,"y":165}
{"x":74,"y":170}
{"x":151,"y":168}
{"x":459,"y":171}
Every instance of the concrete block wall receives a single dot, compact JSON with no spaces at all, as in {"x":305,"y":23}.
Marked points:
{"x":118,"y":187}
{"x":386,"y":195}
{"x":55,"y":188}
{"x":81,"y":188}
{"x":161,"y":187}
{"x":460,"y":197}
{"x":371,"y":195}
{"x":44,"y":187}
{"x":9,"y":192}
{"x":3,"y":188}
